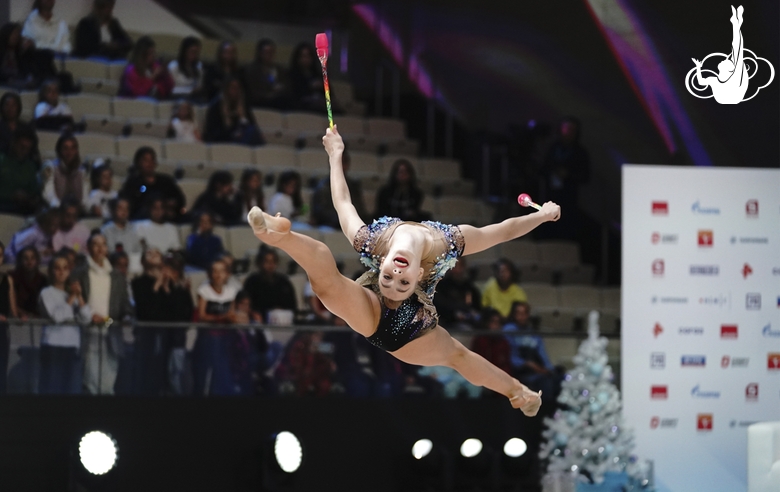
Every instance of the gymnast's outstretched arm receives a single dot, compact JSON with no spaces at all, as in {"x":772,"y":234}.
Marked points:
{"x":349,"y":219}
{"x":737,"y":43}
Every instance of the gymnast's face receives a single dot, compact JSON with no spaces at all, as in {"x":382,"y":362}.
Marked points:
{"x":399,"y":273}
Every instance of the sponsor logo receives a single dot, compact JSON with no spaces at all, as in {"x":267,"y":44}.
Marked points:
{"x":657,"y":360}
{"x":720,"y":300}
{"x":663,"y":423}
{"x":691,"y":330}
{"x":709,"y":270}
{"x":769,"y":332}
{"x":693,"y":361}
{"x":658,"y":238}
{"x":727,"y":361}
{"x":669,"y":300}
{"x":753,"y":301}
{"x":742,"y":423}
{"x":704,"y":422}
{"x":773,"y":360}
{"x":697,"y":208}
{"x":660,"y":208}
{"x":729,"y":331}
{"x":778,"y":301}
{"x":776,"y":271}
{"x":746,"y":271}
{"x":751,"y":208}
{"x":662,"y":392}
{"x":751,"y":392}
{"x":706,"y":238}
{"x":749,"y":240}
{"x":697,"y":392}
{"x":658,"y":268}
{"x":657,"y":330}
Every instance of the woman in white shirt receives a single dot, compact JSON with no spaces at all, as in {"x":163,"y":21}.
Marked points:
{"x":47,"y":32}
{"x":287,"y":200}
{"x":155,"y":232}
{"x":187,"y":69}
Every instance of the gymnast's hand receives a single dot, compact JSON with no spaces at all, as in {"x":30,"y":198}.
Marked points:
{"x":332,"y":141}
{"x":550,"y":211}
{"x":527,"y":401}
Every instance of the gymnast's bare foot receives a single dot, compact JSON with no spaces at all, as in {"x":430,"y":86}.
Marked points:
{"x":266,"y":227}
{"x":526,"y":400}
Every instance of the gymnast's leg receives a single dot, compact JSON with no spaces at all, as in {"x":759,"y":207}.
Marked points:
{"x":438,"y":348}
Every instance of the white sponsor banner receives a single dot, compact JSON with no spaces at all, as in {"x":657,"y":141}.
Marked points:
{"x":700,"y":318}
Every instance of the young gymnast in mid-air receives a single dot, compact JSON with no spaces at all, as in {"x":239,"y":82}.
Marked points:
{"x":392,"y":303}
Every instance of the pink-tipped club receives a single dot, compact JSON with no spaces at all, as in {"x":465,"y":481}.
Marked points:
{"x":321,"y":42}
{"x":524,"y":199}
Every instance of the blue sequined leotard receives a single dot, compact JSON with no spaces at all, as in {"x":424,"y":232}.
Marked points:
{"x":416,"y":314}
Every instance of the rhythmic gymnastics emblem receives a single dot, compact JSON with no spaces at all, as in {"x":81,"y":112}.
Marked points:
{"x":730,"y":83}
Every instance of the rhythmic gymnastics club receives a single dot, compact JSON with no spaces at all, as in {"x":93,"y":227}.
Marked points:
{"x":321,"y":41}
{"x":525,"y":201}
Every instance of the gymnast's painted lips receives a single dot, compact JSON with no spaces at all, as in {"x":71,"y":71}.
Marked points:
{"x":400,"y":262}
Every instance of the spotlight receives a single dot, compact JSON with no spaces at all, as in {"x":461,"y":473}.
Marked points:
{"x":515,"y":447}
{"x":471,"y":448}
{"x":516,"y":462}
{"x":282,"y":457}
{"x":288,"y":452}
{"x":475,"y":467}
{"x":422,"y":448}
{"x":429,"y":467}
{"x":98,"y":452}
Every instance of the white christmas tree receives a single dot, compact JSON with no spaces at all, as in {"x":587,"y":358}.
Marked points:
{"x":587,"y":437}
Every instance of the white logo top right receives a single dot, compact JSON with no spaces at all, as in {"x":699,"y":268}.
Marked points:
{"x":730,"y":84}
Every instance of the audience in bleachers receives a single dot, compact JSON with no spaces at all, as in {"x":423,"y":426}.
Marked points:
{"x":45,"y":30}
{"x":493,"y":348}
{"x":10,"y":118}
{"x":101,"y":194}
{"x":145,"y":181}
{"x":229,"y":262}
{"x":7,"y":310}
{"x":226,"y":66}
{"x":501,"y":290}
{"x":23,"y":66}
{"x":269,"y":289}
{"x":28,"y":282}
{"x":323,"y":213}
{"x":51,"y":113}
{"x":203,"y":246}
{"x":66,"y":174}
{"x":37,"y":236}
{"x":306,"y":86}
{"x":101,"y":35}
{"x":183,"y":127}
{"x":156,"y":232}
{"x":458,"y":301}
{"x":120,"y":234}
{"x":71,"y":233}
{"x":63,"y":303}
{"x":266,"y":81}
{"x":229,"y":119}
{"x":218,"y":199}
{"x":20,"y":190}
{"x":250,"y":192}
{"x":305,"y":368}
{"x":145,"y":76}
{"x":401,"y":197}
{"x":287,"y":200}
{"x":187,"y":70}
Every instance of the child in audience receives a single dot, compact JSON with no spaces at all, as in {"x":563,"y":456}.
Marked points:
{"x":183,"y":125}
{"x":28,"y":281}
{"x":120,"y":234}
{"x":250,"y":191}
{"x":72,"y":234}
{"x":50,"y":112}
{"x":287,"y":200}
{"x":155,"y":232}
{"x":226,"y":257}
{"x":203,"y":247}
{"x":101,"y":180}
{"x":62,"y":302}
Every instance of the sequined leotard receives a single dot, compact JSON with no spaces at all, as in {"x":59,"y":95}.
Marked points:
{"x":416,"y":314}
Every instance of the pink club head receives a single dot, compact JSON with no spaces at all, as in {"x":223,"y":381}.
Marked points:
{"x":321,"y":42}
{"x":524,"y":200}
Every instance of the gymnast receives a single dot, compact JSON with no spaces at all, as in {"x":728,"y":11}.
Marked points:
{"x":405,"y":261}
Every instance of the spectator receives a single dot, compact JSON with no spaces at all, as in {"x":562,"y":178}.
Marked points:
{"x":212,"y":353}
{"x":63,"y":303}
{"x":492,"y":347}
{"x":105,"y":290}
{"x":145,"y":76}
{"x":218,"y":199}
{"x":51,"y":113}
{"x":179,"y":309}
{"x":323,"y":213}
{"x":20,"y":191}
{"x":287,"y":200}
{"x":72,"y":234}
{"x":502,"y":290}
{"x":305,"y":369}
{"x":266,"y":81}
{"x":10,"y":114}
{"x":183,"y":127}
{"x":229,"y":262}
{"x":21,"y":65}
{"x":269,"y":289}
{"x":225,"y":67}
{"x":37,"y":236}
{"x":66,"y":181}
{"x":7,"y":310}
{"x":229,"y":119}
{"x":187,"y":70}
{"x":72,"y":257}
{"x":46,"y":31}
{"x":101,"y":34}
{"x":120,"y":234}
{"x":100,"y":180}
{"x":566,"y":167}
{"x":401,"y":197}
{"x":28,"y":282}
{"x":250,"y":192}
{"x":155,"y":232}
{"x":120,"y":262}
{"x":145,"y":181}
{"x":306,"y":80}
{"x":203,"y":247}
{"x":458,"y":301}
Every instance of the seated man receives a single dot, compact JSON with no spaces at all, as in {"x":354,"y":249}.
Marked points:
{"x":20,"y":190}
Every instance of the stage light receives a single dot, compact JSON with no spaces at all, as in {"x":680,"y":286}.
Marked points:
{"x":470,"y":448}
{"x":515,"y":447}
{"x":98,"y":452}
{"x":422,"y":448}
{"x":288,"y":452}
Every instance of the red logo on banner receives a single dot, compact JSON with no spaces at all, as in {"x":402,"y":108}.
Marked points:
{"x":751,"y":392}
{"x":773,"y":360}
{"x":746,"y":270}
{"x":724,"y":362}
{"x":659,"y":392}
{"x":654,"y":422}
{"x":658,"y":268}
{"x":704,"y":422}
{"x":657,"y":330}
{"x":751,"y":208}
{"x":729,"y":331}
{"x":705,"y":238}
{"x":660,"y":208}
